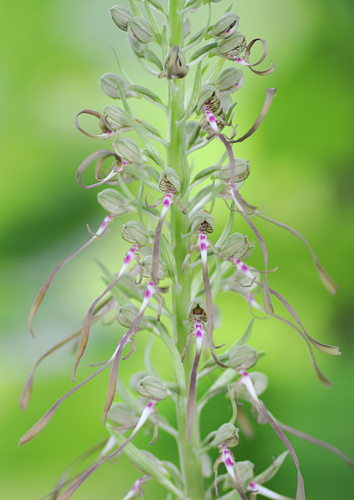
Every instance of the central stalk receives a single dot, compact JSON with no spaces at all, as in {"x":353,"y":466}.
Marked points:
{"x":190,"y":462}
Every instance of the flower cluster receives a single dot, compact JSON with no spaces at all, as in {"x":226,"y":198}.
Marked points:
{"x":174,"y":242}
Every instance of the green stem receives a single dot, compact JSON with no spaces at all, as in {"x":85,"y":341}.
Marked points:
{"x":190,"y":462}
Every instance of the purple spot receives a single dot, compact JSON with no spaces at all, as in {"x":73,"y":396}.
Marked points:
{"x":228,"y":462}
{"x":134,"y":487}
{"x":198,"y":334}
{"x":244,"y":268}
{"x":128,"y":258}
{"x":244,"y":374}
{"x":149,"y":405}
{"x":148,"y":293}
{"x":166,"y":203}
{"x":203,"y":246}
{"x":252,"y":485}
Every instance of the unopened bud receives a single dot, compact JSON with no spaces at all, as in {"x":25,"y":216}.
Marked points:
{"x":140,"y":29}
{"x":135,"y":379}
{"x":244,"y":357}
{"x":209,"y":99}
{"x":168,"y":179}
{"x":260,"y":383}
{"x":231,"y":47}
{"x":120,"y":414}
{"x":134,"y":232}
{"x":236,"y":245}
{"x":127,"y":149}
{"x":116,"y":118}
{"x":152,"y":387}
{"x":109,"y":85}
{"x":147,"y":266}
{"x":127,"y":314}
{"x":121,"y":16}
{"x":114,"y":202}
{"x":175,"y":64}
{"x":230,"y":80}
{"x":242,"y":171}
{"x":197,"y":307}
{"x":226,"y":26}
{"x":204,"y":221}
{"x":227,"y":434}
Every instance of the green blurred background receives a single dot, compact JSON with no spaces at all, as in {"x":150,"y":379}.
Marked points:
{"x":53,"y":53}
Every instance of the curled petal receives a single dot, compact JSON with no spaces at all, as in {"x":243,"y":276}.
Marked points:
{"x":105,"y":153}
{"x":328,"y":349}
{"x":325,"y":278}
{"x":99,"y":116}
{"x":39,"y":426}
{"x":319,"y":374}
{"x":246,"y":62}
{"x":270,"y":94}
{"x":44,"y":288}
{"x":313,"y":440}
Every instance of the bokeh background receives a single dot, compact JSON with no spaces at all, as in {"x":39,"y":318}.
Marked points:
{"x":53,"y":53}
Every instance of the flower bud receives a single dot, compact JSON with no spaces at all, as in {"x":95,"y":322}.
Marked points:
{"x":168,"y":179}
{"x":242,"y":170}
{"x":120,"y":414}
{"x":209,"y":99}
{"x":127,"y":149}
{"x":108,"y":84}
{"x":116,"y":118}
{"x":236,"y":245}
{"x":140,"y":30}
{"x":177,"y":60}
{"x":135,"y":379}
{"x":243,"y":357}
{"x":121,"y":16}
{"x":231,"y":47}
{"x":260,"y":383}
{"x":197,"y":307}
{"x":228,"y":434}
{"x":230,"y":80}
{"x":114,"y":202}
{"x":134,"y":232}
{"x":147,"y":266}
{"x":226,"y":26}
{"x":203,"y":219}
{"x":152,"y":387}
{"x":127,"y":314}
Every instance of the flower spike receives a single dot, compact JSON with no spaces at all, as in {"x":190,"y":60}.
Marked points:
{"x":102,"y":231}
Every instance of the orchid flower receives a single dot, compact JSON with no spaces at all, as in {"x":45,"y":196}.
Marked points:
{"x":257,"y":489}
{"x":197,"y":316}
{"x":170,"y":184}
{"x":102,"y":231}
{"x":137,"y":490}
{"x":203,"y":223}
{"x":225,"y":438}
